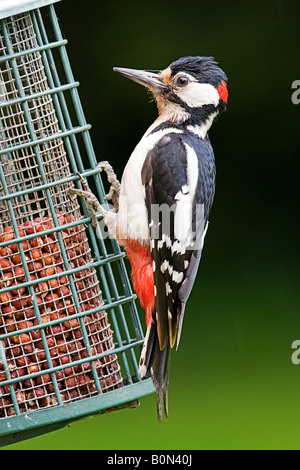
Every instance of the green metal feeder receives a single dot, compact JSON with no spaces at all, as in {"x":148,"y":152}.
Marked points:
{"x":70,"y":335}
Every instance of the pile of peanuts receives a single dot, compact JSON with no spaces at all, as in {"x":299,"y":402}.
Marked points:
{"x":60,"y":344}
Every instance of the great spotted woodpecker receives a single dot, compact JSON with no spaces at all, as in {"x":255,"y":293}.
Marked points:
{"x":163,"y":202}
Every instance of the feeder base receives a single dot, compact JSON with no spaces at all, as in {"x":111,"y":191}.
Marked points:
{"x":36,"y":423}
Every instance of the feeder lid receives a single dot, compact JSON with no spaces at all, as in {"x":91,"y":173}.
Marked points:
{"x":14,"y":7}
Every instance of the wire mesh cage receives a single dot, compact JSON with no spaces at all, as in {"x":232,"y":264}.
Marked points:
{"x":70,"y":333}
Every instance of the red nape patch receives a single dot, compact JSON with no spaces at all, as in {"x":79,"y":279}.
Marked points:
{"x":141,"y":273}
{"x":223,"y":92}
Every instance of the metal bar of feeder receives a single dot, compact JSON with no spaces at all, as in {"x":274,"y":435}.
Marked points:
{"x":66,"y":273}
{"x":44,"y":325}
{"x":16,"y":55}
{"x":41,"y":187}
{"x":34,"y":96}
{"x":35,"y":142}
{"x":92,"y":358}
{"x":60,"y":228}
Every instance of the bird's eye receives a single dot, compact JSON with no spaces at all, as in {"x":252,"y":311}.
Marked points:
{"x":181,"y":80}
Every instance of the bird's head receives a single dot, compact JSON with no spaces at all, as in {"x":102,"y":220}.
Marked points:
{"x":191,"y":89}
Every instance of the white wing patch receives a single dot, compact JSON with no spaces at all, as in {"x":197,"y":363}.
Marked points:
{"x":184,"y":204}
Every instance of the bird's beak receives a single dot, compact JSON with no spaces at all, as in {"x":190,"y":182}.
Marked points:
{"x":148,"y":79}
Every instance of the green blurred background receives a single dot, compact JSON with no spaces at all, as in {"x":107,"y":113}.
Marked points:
{"x":232,"y":382}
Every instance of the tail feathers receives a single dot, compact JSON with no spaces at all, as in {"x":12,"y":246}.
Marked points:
{"x":161,"y":378}
{"x":146,"y":354}
{"x":157,"y":362}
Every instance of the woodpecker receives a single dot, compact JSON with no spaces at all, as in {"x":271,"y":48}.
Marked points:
{"x":163,"y":202}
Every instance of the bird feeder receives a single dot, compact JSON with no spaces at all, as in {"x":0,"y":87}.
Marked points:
{"x":70,"y":334}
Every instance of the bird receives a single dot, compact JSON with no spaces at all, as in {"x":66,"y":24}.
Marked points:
{"x":161,"y":207}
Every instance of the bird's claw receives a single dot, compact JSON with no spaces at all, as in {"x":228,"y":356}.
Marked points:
{"x":92,"y":203}
{"x":114,"y":191}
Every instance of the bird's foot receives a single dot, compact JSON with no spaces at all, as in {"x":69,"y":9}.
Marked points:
{"x":114,"y":191}
{"x":92,"y":204}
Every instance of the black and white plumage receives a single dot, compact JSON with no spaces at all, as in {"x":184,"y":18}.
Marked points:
{"x":175,"y":168}
{"x":166,"y":194}
{"x":179,"y":175}
{"x":179,"y":172}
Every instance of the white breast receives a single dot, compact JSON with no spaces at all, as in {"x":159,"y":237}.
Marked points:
{"x":133,"y":217}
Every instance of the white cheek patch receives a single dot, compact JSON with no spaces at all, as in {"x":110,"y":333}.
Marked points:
{"x":197,"y":94}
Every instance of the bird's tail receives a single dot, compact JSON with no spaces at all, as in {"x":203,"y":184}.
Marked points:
{"x":156,"y":362}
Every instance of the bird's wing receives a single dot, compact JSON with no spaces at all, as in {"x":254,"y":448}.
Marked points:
{"x":177,"y":215}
